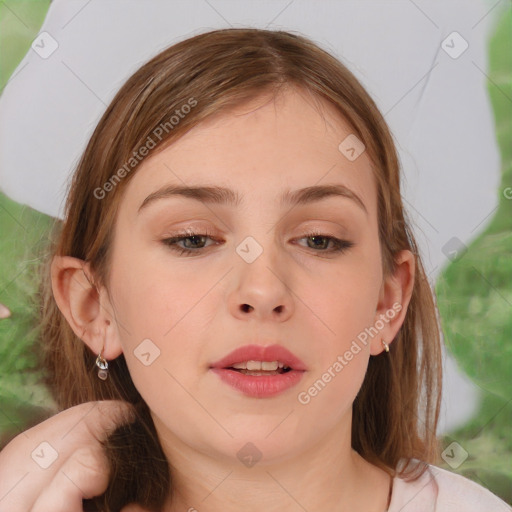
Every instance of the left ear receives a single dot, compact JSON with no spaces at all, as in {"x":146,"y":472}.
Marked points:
{"x":394,"y":297}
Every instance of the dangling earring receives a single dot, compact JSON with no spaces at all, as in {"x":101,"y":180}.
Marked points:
{"x":385,"y":345}
{"x":102,"y":365}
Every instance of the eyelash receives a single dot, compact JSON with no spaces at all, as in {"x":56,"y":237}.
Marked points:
{"x":340,"y":246}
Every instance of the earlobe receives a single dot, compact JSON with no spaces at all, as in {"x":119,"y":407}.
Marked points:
{"x":394,"y":298}
{"x":81,"y":304}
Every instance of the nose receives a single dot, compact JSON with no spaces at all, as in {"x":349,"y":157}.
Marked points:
{"x":262,"y":291}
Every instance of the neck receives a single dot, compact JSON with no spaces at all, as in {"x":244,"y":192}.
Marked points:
{"x":329,"y":475}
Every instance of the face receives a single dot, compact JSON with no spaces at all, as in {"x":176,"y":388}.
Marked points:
{"x":310,"y":271}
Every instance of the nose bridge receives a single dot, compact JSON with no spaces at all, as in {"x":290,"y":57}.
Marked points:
{"x":261,"y":241}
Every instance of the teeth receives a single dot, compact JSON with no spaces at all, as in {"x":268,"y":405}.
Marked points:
{"x":258,"y":374}
{"x":259,"y":365}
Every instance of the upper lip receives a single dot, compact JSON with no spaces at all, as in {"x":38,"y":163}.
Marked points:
{"x":261,"y":353}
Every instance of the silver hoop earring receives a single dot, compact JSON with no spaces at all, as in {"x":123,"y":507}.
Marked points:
{"x":102,"y":365}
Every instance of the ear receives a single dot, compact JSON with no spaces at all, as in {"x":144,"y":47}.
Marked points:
{"x":86,"y":308}
{"x":394,"y":297}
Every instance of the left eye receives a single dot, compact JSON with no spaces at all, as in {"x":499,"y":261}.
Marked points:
{"x":322,"y":241}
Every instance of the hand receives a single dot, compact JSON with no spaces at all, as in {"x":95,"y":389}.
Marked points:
{"x":4,"y":312}
{"x":59,"y":462}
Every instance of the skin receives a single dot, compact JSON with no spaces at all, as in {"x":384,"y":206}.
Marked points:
{"x":79,"y":469}
{"x":313,"y":302}
{"x":4,"y":312}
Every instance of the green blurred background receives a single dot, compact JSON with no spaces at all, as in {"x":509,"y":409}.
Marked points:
{"x":474,"y":292}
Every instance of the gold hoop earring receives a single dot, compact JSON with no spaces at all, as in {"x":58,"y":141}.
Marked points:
{"x":102,"y":365}
{"x":385,"y":345}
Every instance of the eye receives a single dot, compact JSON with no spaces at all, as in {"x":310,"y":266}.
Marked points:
{"x":195,"y":242}
{"x":321,"y":241}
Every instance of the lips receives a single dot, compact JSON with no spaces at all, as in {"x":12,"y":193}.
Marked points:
{"x":260,"y":384}
{"x":261,"y":353}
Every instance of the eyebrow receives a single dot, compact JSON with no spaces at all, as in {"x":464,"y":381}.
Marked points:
{"x":227,"y":196}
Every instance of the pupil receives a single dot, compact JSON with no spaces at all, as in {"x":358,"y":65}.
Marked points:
{"x":318,"y":238}
{"x":194,"y":238}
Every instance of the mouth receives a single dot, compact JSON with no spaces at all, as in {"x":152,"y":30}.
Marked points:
{"x":260,"y":372}
{"x":271,"y":359}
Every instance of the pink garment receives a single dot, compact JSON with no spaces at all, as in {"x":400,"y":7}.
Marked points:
{"x":439,"y":490}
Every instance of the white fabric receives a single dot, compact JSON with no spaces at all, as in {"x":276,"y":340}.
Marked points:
{"x":454,"y":493}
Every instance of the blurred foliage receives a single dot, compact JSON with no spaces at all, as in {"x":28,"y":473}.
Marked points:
{"x":475,"y":302}
{"x":20,"y":21}
{"x":23,"y":236}
{"x":23,"y":240}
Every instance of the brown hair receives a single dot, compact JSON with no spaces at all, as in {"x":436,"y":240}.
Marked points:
{"x":396,"y":411}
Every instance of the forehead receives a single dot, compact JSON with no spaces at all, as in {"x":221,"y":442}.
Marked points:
{"x":260,"y":149}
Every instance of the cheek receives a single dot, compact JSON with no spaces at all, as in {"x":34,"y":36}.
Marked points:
{"x":161,"y":314}
{"x":152,"y":297}
{"x":346,"y":297}
{"x":161,"y":339}
{"x":346,"y":312}
{"x":166,"y":314}
{"x":334,"y":387}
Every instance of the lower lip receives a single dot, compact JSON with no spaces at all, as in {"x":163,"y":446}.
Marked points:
{"x":260,"y":386}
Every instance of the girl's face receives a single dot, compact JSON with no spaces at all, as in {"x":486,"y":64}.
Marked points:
{"x":179,"y":307}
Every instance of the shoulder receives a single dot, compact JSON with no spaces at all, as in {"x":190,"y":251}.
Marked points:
{"x":439,"y":490}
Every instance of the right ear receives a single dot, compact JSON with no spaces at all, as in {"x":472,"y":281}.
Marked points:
{"x":86,"y":308}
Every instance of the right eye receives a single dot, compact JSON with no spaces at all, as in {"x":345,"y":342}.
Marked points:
{"x":195,"y":238}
